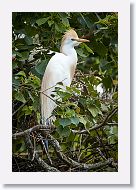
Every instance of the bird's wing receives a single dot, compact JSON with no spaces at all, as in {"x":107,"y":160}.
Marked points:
{"x":56,"y":71}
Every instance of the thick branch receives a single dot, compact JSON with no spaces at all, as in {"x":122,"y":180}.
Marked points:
{"x":58,"y":151}
{"x":35,"y":128}
{"x":73,"y":163}
{"x":44,"y":165}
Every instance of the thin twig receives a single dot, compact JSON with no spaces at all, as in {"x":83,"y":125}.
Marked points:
{"x":49,"y":97}
{"x":80,"y":145}
{"x":109,"y":116}
{"x":19,"y":108}
{"x":51,"y":86}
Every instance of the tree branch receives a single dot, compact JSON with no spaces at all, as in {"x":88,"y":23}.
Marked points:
{"x":42,"y":163}
{"x":19,"y":108}
{"x":73,"y":163}
{"x":58,"y":150}
{"x":35,"y":128}
{"x":109,"y":116}
{"x":38,"y":127}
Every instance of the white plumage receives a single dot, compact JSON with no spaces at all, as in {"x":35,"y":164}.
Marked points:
{"x":61,"y":68}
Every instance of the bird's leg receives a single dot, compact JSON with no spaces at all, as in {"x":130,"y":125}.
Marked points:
{"x":45,"y":139}
{"x":43,"y":143}
{"x":44,"y":132}
{"x":48,"y":124}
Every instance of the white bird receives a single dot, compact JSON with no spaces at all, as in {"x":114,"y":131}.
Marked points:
{"x":60,"y":68}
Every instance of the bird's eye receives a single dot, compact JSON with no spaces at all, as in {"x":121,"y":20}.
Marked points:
{"x":73,"y":39}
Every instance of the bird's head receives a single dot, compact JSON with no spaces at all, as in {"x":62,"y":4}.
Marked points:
{"x":71,"y":38}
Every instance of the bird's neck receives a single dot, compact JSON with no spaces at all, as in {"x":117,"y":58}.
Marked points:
{"x":69,"y":51}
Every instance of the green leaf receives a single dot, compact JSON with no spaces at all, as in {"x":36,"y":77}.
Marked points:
{"x":71,"y":136}
{"x":115,"y":130}
{"x":40,"y":67}
{"x":42,"y":21}
{"x":30,"y":95}
{"x":50,"y":22}
{"x":64,"y":95}
{"x":115,"y":82}
{"x":88,"y":49}
{"x":107,"y":81}
{"x":30,"y":30}
{"x":21,"y":73}
{"x":56,"y":123}
{"x":115,"y":96}
{"x":15,"y":83}
{"x":27,"y":110}
{"x":88,"y":125}
{"x":82,"y":101}
{"x":24,"y":56}
{"x":73,"y":90}
{"x":82,"y":120}
{"x":93,"y":110}
{"x":19,"y":146}
{"x":64,"y":132}
{"x":80,"y":52}
{"x":85,"y":20}
{"x":64,"y":18}
{"x":59,"y":27}
{"x":65,"y":21}
{"x":19,"y":96}
{"x":36,"y":104}
{"x":70,"y":113}
{"x":100,"y":48}
{"x":28,"y":40}
{"x":104,"y":107}
{"x":112,"y":139}
{"x":17,"y":53}
{"x":38,"y":117}
{"x":74,"y":120}
{"x":14,"y":64}
{"x":64,"y":121}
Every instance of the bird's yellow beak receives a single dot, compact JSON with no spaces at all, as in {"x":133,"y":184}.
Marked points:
{"x":82,"y":40}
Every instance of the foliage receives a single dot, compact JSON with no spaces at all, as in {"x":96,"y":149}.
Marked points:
{"x":35,"y":37}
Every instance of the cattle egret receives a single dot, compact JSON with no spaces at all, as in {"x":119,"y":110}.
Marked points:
{"x":60,"y":68}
